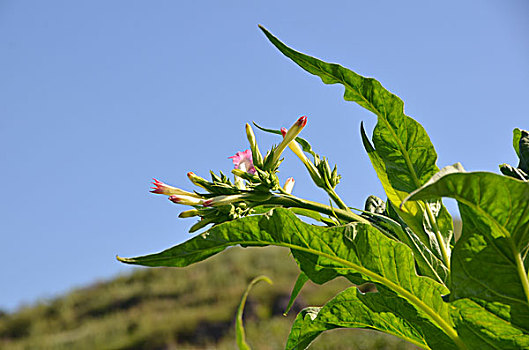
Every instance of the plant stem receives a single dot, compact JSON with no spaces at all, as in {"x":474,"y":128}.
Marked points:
{"x":290,"y":201}
{"x":334,"y":196}
{"x":438,"y":235}
{"x":521,"y":270}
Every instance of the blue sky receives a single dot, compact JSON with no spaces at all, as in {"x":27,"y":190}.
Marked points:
{"x":99,"y":97}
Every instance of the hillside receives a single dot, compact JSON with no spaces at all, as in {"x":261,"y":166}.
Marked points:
{"x":188,"y":308}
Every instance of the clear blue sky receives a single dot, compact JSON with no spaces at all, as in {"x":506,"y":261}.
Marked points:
{"x":98,"y":97}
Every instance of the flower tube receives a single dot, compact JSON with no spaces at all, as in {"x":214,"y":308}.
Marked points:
{"x":296,"y":148}
{"x":186,"y":200}
{"x":291,"y":135}
{"x":163,"y":188}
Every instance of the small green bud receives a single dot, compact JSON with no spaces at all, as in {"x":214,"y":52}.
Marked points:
{"x":256,"y":154}
{"x":189,"y":213}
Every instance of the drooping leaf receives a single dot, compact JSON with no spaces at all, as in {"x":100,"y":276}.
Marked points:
{"x":383,"y":311}
{"x":487,"y":261}
{"x":406,"y":157}
{"x":300,"y":282}
{"x":357,"y":251}
{"x":239,"y":328}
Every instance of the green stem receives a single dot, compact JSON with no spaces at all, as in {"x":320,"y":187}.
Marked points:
{"x":334,"y":196}
{"x":290,"y":201}
{"x":521,"y":270}
{"x":438,"y":235}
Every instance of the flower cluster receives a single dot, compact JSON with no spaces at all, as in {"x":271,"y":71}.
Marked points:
{"x":255,"y":182}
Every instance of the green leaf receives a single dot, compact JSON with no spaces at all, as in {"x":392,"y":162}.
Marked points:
{"x":239,"y":328}
{"x":383,"y":311}
{"x":427,"y":252}
{"x":357,"y":251}
{"x":480,"y":328}
{"x":487,"y":262}
{"x":313,"y":215}
{"x":305,"y":329}
{"x":300,"y":282}
{"x":406,"y":157}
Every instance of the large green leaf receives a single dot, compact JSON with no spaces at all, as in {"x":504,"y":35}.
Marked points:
{"x":403,"y":154}
{"x":357,"y":251}
{"x":383,"y":311}
{"x":487,"y":262}
{"x":481,"y":328}
{"x":426,"y":251}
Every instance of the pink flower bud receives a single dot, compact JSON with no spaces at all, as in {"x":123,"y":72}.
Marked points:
{"x":163,"y":188}
{"x":302,"y":121}
{"x":288,"y":137}
{"x":296,"y":148}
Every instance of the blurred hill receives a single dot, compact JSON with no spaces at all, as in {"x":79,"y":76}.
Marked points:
{"x":183,"y":308}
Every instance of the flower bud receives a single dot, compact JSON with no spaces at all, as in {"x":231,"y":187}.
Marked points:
{"x":257,"y":157}
{"x":288,"y":137}
{"x":224,"y":200}
{"x":163,"y":188}
{"x":289,"y":185}
{"x":197,"y":180}
{"x":188,"y":213}
{"x":296,"y":148}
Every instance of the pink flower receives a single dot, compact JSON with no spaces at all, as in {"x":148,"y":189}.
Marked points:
{"x":243,"y":161}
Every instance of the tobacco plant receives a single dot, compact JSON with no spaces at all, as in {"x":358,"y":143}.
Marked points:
{"x":422,"y":285}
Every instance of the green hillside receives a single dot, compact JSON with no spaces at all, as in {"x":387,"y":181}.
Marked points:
{"x":188,"y":308}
